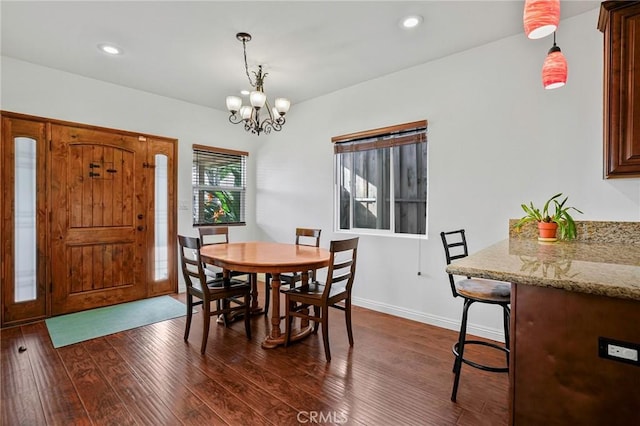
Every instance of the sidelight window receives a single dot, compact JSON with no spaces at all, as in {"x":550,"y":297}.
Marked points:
{"x":25,"y":220}
{"x":161,"y":217}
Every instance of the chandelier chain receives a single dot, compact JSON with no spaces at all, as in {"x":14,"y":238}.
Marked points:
{"x":246,"y":67}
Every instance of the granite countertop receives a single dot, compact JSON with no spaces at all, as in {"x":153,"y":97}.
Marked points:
{"x":600,"y":268}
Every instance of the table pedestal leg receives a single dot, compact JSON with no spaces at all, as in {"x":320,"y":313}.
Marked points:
{"x":275,"y":336}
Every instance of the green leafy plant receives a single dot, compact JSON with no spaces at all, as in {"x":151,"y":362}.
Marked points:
{"x":220,"y":205}
{"x":552,"y":211}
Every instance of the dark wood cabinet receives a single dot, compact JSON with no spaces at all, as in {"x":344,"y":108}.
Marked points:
{"x":557,"y":375}
{"x":620,"y":23}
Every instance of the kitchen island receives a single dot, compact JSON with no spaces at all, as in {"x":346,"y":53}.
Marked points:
{"x":574,"y":306}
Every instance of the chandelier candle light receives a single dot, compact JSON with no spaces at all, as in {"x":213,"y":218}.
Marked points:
{"x":254,"y":118}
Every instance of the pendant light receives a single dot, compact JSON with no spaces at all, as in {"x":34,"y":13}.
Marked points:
{"x":554,"y":69}
{"x":541,"y":17}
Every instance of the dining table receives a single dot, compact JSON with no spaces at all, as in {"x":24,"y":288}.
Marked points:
{"x":269,"y":258}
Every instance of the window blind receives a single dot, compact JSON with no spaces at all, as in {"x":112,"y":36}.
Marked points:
{"x":402,"y":134}
{"x":218,"y":179}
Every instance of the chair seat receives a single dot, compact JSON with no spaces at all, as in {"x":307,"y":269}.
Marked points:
{"x":217,"y":285}
{"x":216,"y":273}
{"x":484,"y":290}
{"x":315,"y":290}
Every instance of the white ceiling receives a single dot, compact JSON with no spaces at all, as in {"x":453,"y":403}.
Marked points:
{"x":188,"y":50}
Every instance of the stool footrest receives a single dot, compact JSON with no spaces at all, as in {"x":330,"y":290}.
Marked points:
{"x":454,"y":349}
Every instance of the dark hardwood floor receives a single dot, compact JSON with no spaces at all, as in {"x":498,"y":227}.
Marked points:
{"x":398,"y":373}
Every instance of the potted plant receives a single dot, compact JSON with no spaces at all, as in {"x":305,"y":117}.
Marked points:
{"x":554,"y":219}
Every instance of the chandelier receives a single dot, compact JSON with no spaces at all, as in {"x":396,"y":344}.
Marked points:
{"x":253,"y":116}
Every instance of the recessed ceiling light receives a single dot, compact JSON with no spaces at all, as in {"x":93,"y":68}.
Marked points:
{"x":411,"y":21}
{"x":244,"y":92}
{"x":110,"y":49}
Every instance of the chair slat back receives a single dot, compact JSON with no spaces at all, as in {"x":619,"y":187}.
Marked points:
{"x":308,"y":237}
{"x":455,"y":247}
{"x":213,"y":235}
{"x":190,"y":261}
{"x":342,"y":265}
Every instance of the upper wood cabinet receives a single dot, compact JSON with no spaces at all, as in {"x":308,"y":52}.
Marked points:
{"x":620,"y":23}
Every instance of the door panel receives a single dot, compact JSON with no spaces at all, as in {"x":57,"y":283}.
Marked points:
{"x":24,"y":227}
{"x":100,"y":195}
{"x":97,"y":192}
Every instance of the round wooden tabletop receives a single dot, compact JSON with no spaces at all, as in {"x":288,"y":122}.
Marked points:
{"x":258,"y":256}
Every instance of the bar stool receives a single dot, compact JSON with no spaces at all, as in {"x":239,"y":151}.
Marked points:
{"x":474,"y":290}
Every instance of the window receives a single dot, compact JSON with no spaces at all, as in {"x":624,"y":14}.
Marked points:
{"x":25,"y":227}
{"x":218,"y":177}
{"x":381,"y":180}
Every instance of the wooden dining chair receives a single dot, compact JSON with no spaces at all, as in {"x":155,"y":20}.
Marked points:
{"x":234,"y":294}
{"x":474,"y":290}
{"x":336,"y":289}
{"x":215,"y":235}
{"x":304,"y":237}
{"x":220,"y":235}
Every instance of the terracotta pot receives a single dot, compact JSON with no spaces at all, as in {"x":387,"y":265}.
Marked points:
{"x":547,"y":231}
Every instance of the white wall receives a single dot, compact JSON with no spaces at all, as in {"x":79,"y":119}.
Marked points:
{"x":496,"y":139}
{"x":35,"y":90}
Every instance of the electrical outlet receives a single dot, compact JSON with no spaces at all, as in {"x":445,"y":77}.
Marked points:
{"x":619,"y":351}
{"x":622,"y":352}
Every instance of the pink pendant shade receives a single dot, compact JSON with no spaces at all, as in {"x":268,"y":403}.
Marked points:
{"x":554,"y":69}
{"x":541,"y":17}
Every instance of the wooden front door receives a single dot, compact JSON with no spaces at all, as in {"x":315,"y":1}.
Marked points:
{"x":98,"y":218}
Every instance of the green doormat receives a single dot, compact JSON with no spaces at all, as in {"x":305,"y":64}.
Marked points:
{"x":80,"y":326}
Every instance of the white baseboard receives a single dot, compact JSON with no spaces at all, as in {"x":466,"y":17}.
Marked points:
{"x":444,"y":322}
{"x":448,"y":323}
